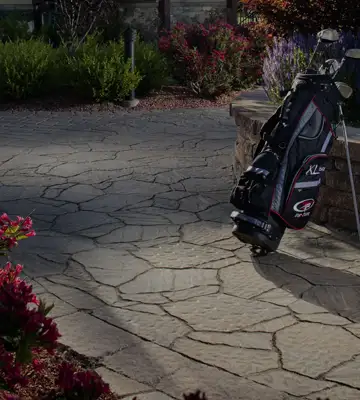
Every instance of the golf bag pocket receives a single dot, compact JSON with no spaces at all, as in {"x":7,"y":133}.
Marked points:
{"x":252,"y":197}
{"x":254,"y":190}
{"x":303,"y":191}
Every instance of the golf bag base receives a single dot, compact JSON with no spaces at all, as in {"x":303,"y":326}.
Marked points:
{"x":264,"y":235}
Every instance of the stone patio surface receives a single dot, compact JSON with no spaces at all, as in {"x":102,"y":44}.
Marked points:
{"x":134,"y":247}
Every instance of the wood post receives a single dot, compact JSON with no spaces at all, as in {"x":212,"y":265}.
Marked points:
{"x":164,"y":14}
{"x":231,"y":7}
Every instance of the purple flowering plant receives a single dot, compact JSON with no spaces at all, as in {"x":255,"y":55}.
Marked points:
{"x":284,"y":59}
{"x":287,"y":57}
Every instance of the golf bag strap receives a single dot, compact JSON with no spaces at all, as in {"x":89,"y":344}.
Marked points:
{"x":278,"y":137}
{"x":270,"y":124}
{"x":266,"y":227}
{"x":266,"y":130}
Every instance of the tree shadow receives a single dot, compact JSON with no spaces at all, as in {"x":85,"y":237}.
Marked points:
{"x":336,"y":290}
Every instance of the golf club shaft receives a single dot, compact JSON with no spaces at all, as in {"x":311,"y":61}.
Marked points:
{"x":313,"y":56}
{"x":346,"y":143}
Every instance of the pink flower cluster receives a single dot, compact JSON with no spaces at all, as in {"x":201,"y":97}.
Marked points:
{"x":80,"y":384}
{"x":23,"y":325}
{"x":11,"y":231}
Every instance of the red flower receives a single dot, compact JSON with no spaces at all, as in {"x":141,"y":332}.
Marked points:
{"x":85,"y":384}
{"x":218,"y":54}
{"x":11,"y":397}
{"x":31,"y":324}
{"x":4,"y":219}
{"x":164,"y":43}
{"x":10,"y":370}
{"x":37,"y":365}
{"x":14,"y":230}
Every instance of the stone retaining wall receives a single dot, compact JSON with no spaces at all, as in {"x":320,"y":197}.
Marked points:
{"x":196,"y":10}
{"x":144,"y":14}
{"x":335,"y":205}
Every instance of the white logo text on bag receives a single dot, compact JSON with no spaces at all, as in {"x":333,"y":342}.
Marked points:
{"x":302,"y":208}
{"x":314,"y":170}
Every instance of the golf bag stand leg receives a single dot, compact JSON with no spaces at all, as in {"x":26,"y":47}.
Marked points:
{"x":351,"y":176}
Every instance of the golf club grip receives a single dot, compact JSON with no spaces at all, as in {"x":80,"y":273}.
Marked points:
{"x":341,"y":73}
{"x":347,"y":67}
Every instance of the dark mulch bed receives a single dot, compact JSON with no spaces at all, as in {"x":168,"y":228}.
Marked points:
{"x":170,"y":97}
{"x":42,"y":384}
{"x":180,"y":97}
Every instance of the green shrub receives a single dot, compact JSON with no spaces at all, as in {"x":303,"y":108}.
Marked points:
{"x":14,"y":27}
{"x":25,"y":66}
{"x":49,"y":34}
{"x":61,"y":76}
{"x":152,"y":65}
{"x":96,"y":71}
{"x":100,"y":71}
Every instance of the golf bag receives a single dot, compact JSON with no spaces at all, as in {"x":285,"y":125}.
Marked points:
{"x":280,"y":188}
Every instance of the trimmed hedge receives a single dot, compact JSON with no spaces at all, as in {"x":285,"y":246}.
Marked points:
{"x":96,"y":71}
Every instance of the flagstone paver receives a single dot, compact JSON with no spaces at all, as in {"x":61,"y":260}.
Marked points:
{"x":135,"y":249}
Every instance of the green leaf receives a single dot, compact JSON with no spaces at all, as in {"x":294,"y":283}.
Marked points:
{"x":23,"y":353}
{"x":12,"y":229}
{"x":44,"y":309}
{"x":21,"y":237}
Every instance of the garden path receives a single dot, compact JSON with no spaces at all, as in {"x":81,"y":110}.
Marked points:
{"x":134,"y":247}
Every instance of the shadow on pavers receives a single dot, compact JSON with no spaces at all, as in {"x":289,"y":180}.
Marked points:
{"x":49,"y":253}
{"x":90,"y":326}
{"x":334,"y":289}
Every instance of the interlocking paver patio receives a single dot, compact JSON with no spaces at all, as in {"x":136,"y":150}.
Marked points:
{"x":134,"y":246}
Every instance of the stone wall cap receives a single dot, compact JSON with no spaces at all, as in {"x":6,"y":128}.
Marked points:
{"x":252,"y":99}
{"x":255,"y":105}
{"x":353,"y":133}
{"x":137,"y":2}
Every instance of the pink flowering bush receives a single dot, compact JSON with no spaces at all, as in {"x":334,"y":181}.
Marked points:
{"x":26,"y":330}
{"x":211,"y":59}
{"x":24,"y":322}
{"x":24,"y":326}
